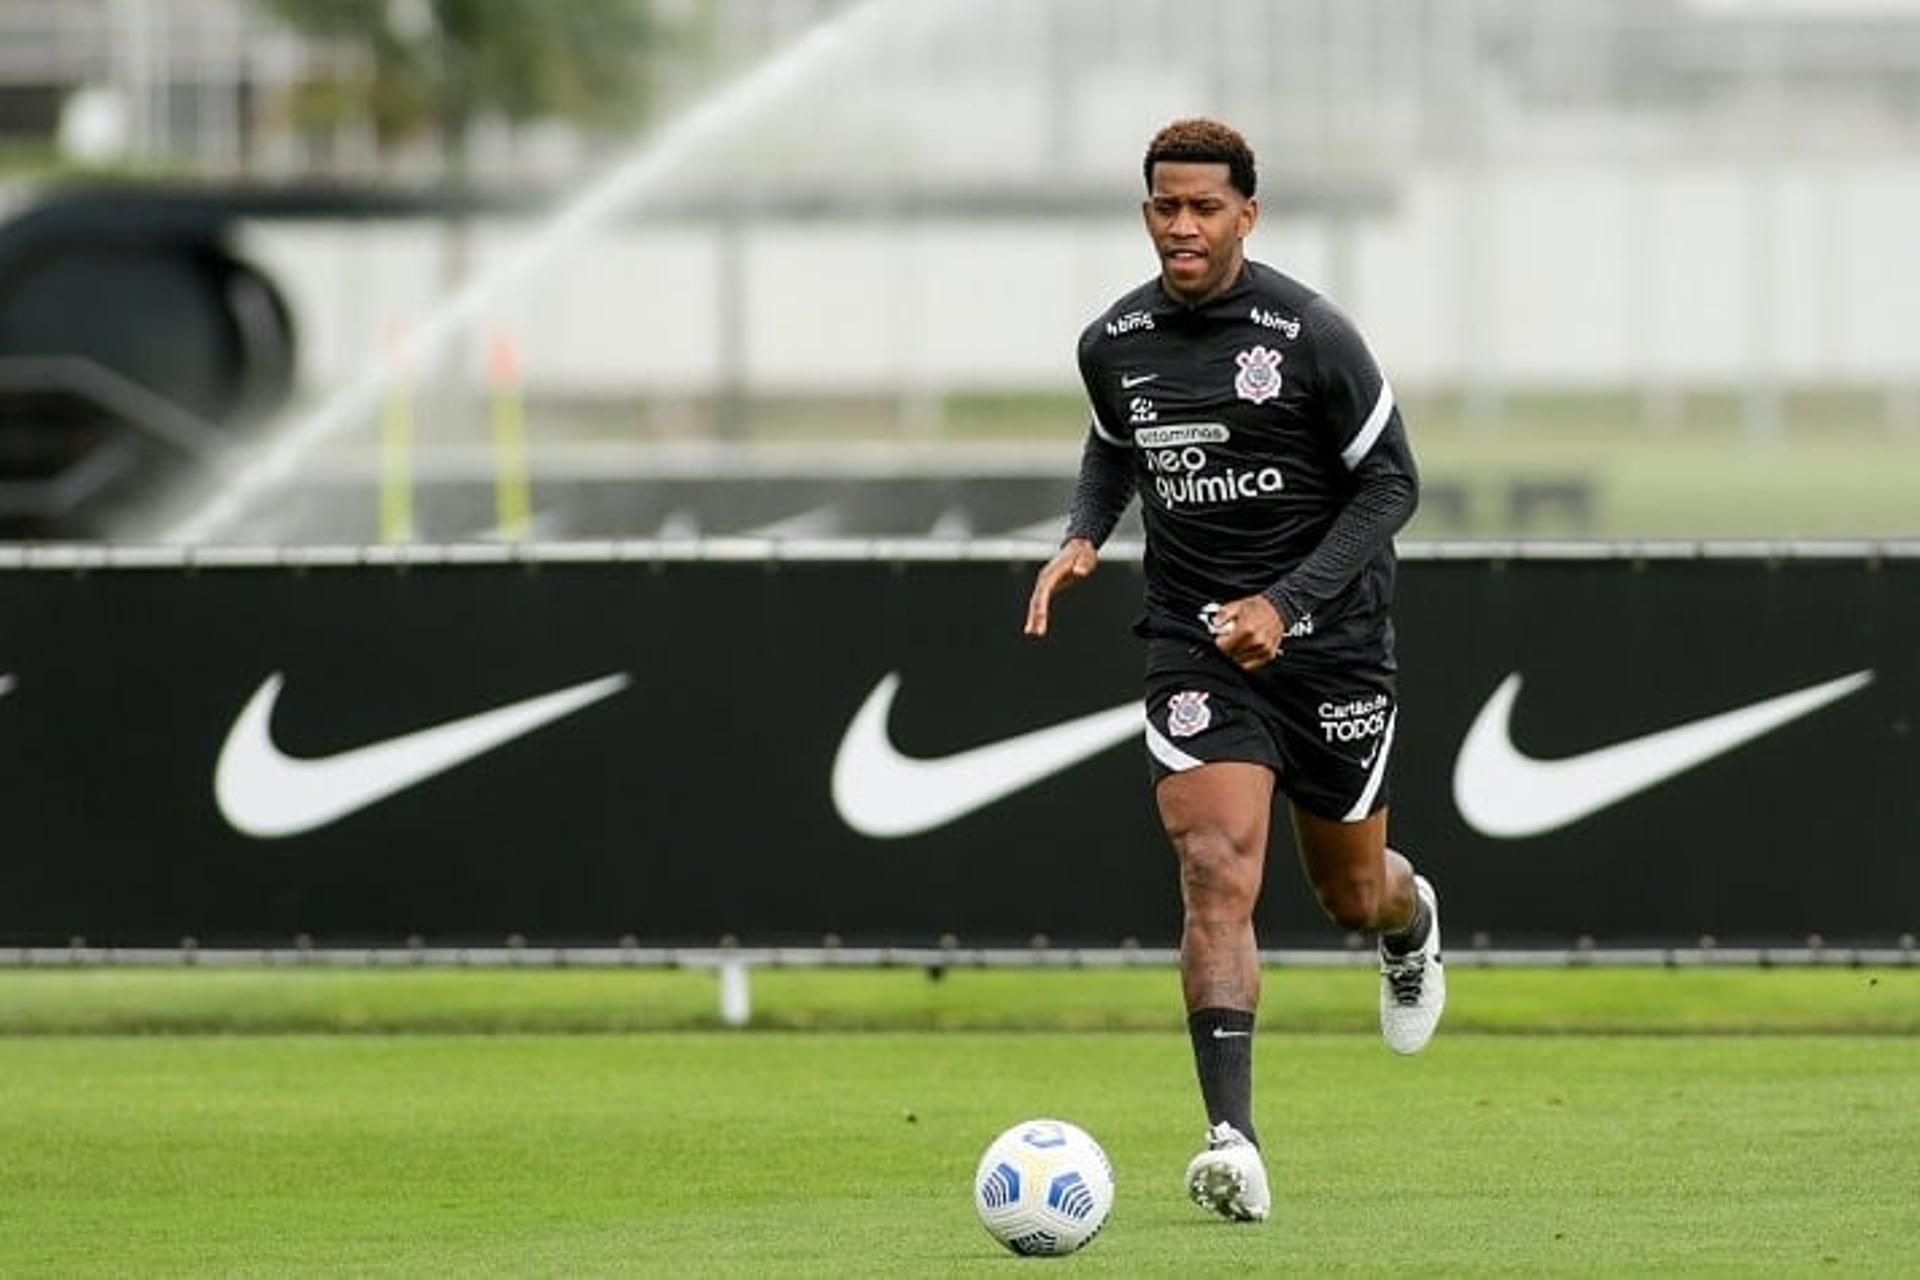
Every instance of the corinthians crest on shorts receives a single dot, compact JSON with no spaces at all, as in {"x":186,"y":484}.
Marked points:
{"x":1187,"y":714}
{"x":1259,"y":378}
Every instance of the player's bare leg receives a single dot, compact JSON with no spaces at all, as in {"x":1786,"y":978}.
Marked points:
{"x":1361,"y":884}
{"x":1365,"y":886}
{"x":1217,"y":817}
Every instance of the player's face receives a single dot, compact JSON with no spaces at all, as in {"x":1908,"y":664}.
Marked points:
{"x":1198,"y":220}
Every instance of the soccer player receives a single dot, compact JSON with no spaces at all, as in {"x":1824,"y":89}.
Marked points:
{"x":1273,"y":470}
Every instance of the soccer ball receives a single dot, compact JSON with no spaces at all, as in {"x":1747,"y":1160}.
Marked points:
{"x":1043,"y":1187}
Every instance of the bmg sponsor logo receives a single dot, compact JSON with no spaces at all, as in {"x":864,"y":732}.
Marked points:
{"x":1275,"y":321}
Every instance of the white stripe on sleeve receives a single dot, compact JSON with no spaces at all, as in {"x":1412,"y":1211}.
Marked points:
{"x":1370,"y":430}
{"x":1094,"y":422}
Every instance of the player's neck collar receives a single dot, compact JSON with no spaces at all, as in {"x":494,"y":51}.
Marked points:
{"x":1241,"y":283}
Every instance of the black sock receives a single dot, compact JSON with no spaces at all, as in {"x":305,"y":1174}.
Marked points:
{"x":1414,"y":935}
{"x":1223,"y":1056}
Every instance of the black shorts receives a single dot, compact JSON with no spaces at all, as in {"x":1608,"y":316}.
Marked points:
{"x":1325,"y":730}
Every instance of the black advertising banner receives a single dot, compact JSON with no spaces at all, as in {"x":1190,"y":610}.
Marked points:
{"x":579,"y":749}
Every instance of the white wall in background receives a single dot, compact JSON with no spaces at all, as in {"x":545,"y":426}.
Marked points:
{"x":1548,"y":276}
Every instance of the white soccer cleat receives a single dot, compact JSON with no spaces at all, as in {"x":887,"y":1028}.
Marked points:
{"x":1229,"y":1177}
{"x":1413,"y":987}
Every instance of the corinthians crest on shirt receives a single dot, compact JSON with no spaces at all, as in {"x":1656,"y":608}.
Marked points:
{"x":1187,"y":714}
{"x":1259,"y":378}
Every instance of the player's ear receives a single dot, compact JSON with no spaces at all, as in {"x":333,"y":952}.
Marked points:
{"x":1249,"y":216}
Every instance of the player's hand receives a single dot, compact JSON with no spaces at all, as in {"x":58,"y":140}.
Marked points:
{"x":1250,"y":632}
{"x":1070,"y":564}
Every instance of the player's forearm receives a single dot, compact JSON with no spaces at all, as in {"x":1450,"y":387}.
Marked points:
{"x":1102,"y":492}
{"x":1380,"y":507}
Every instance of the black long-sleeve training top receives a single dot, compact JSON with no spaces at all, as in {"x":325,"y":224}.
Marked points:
{"x":1268,"y":454}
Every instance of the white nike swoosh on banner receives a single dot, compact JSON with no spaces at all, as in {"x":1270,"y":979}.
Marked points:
{"x":881,"y":793}
{"x":1503,"y":792}
{"x":266,"y":793}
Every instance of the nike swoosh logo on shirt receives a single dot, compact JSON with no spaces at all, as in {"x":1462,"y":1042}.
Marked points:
{"x":266,"y":793}
{"x":881,"y":793}
{"x":1129,"y":382}
{"x":1503,"y":792}
{"x":6,"y":685}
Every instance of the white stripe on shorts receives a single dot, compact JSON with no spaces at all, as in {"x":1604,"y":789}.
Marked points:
{"x":1168,"y":754}
{"x":1360,"y":807}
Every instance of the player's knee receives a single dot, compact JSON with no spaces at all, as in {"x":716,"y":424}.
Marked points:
{"x":1219,"y":879}
{"x":1349,"y":901}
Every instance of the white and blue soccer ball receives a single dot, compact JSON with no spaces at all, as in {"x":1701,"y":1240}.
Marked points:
{"x":1043,"y":1187}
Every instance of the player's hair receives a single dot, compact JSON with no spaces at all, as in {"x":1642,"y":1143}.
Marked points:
{"x":1203,"y":141}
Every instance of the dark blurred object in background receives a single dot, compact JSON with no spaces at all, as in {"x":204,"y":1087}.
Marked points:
{"x":132,"y":340}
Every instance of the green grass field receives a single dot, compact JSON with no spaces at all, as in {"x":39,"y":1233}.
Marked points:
{"x":1516,"y":1001}
{"x":473,"y":1144}
{"x":1842,"y":463}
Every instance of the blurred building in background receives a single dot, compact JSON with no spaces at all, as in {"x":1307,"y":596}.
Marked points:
{"x":176,"y":85}
{"x":1602,"y":246}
